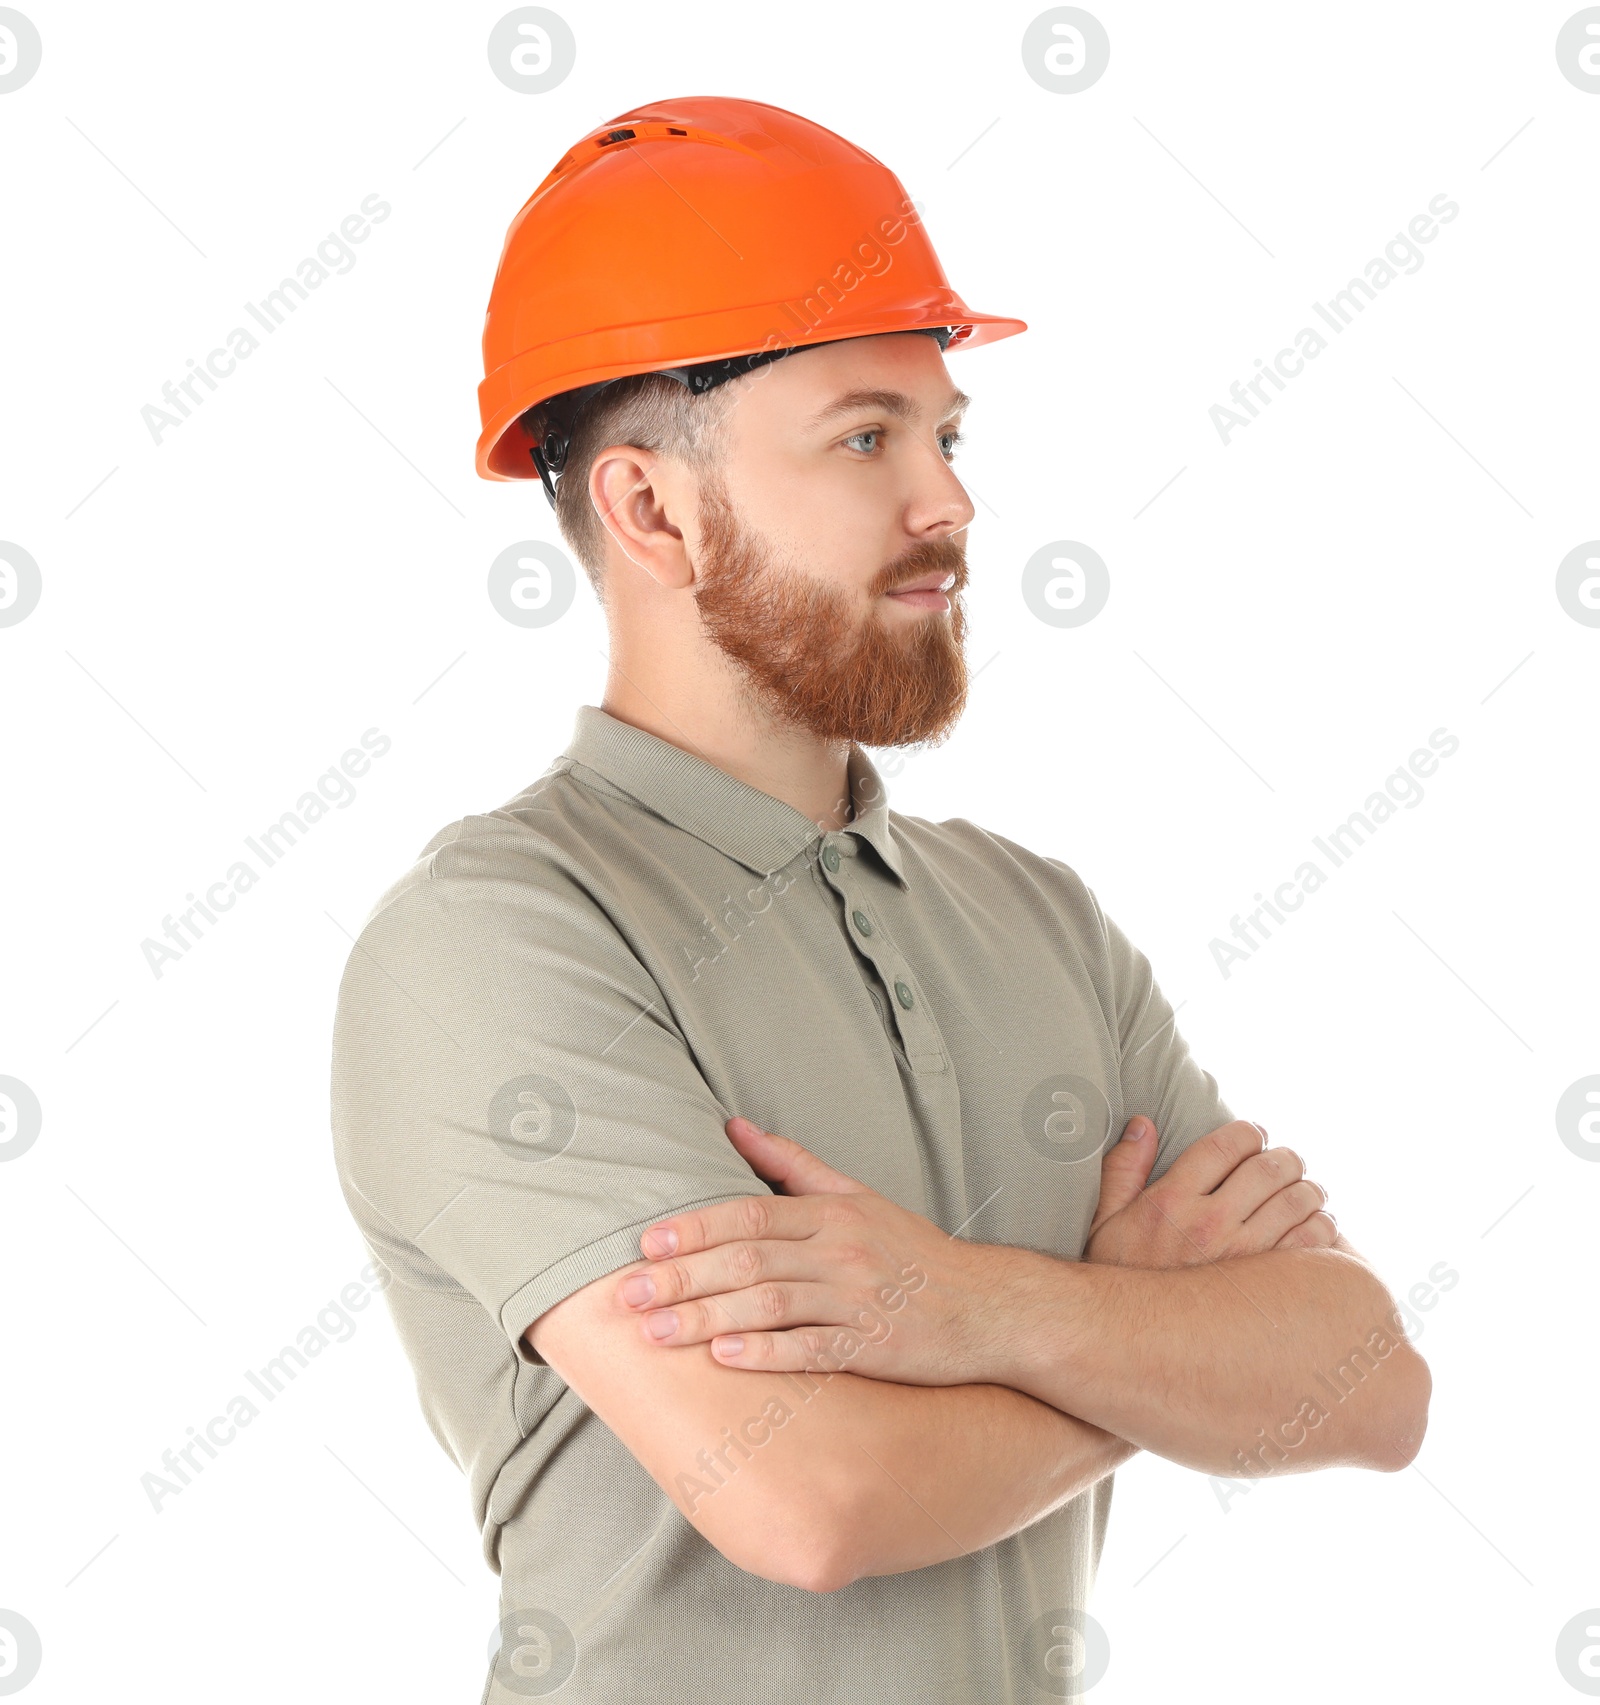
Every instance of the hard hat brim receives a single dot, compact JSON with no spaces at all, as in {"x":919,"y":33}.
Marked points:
{"x":504,"y":447}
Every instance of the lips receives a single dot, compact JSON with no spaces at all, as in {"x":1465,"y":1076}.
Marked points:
{"x":940,"y":582}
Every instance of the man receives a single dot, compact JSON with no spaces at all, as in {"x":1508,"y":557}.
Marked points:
{"x":747,"y":1154}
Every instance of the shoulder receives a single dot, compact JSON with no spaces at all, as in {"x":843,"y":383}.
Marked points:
{"x":545,"y":843}
{"x":513,"y":899}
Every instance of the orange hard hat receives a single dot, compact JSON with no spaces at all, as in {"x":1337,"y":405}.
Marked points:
{"x":699,"y":238}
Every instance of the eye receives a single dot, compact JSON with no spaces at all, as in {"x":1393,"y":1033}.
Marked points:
{"x":947,"y":440}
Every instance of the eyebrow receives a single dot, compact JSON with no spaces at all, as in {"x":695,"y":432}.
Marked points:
{"x":891,"y":402}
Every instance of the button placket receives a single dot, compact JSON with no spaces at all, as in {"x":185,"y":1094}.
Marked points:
{"x":918,"y":1034}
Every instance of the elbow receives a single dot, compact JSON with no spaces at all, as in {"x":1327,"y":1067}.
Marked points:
{"x":806,"y":1544}
{"x":819,"y":1572}
{"x":811,"y":1560}
{"x":1407,"y":1420}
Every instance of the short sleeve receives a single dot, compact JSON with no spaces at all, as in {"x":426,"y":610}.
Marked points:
{"x":1160,"y":1078}
{"x":510,"y":1098}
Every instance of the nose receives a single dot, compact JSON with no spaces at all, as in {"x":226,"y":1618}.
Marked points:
{"x":939,"y":507}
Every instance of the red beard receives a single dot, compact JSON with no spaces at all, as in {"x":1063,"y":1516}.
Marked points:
{"x":809,"y":658}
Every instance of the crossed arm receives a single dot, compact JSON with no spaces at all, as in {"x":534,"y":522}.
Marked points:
{"x":842,"y":1390}
{"x":818,"y":1481}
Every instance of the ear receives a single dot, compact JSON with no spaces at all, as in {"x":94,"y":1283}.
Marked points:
{"x":632,"y":491}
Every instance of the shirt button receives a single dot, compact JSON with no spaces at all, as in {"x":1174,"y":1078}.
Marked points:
{"x":830,"y":857}
{"x":863,"y":922}
{"x":903,"y":990}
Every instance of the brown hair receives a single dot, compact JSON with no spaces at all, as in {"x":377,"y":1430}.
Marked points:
{"x":654,"y":413}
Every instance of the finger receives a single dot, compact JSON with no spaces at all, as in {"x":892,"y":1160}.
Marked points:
{"x":809,"y":1349}
{"x":1204,"y":1164}
{"x":723,"y":1268}
{"x":1254,"y":1181}
{"x":1319,"y":1232}
{"x":1283,"y":1211}
{"x":744,"y":1217}
{"x":762,"y":1308}
{"x":1125,"y":1168}
{"x":783,"y":1161}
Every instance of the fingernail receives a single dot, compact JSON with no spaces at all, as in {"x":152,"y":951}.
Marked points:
{"x":662,"y":1325}
{"x":640,"y":1287}
{"x":729,"y":1346}
{"x":659,"y":1240}
{"x":1134,"y":1130}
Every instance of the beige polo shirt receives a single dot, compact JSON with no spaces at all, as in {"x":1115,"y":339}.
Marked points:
{"x":540,"y":1033}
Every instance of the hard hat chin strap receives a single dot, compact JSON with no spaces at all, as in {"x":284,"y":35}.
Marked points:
{"x":551,"y":423}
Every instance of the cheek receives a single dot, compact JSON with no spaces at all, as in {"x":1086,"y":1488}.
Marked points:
{"x":828,"y":520}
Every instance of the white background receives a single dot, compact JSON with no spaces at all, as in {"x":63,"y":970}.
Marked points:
{"x":224,"y":613}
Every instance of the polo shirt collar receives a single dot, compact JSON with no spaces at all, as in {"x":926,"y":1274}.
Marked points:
{"x":763,"y":833}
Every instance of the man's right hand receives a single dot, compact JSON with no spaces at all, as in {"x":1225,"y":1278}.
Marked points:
{"x":1225,"y":1195}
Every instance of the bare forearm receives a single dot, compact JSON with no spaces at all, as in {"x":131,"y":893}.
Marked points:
{"x":816,"y":1480}
{"x":1276,"y":1362}
{"x":1210,"y":1320}
{"x":944,"y":1470}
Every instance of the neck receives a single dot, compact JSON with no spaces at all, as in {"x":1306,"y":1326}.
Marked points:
{"x":810,"y":774}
